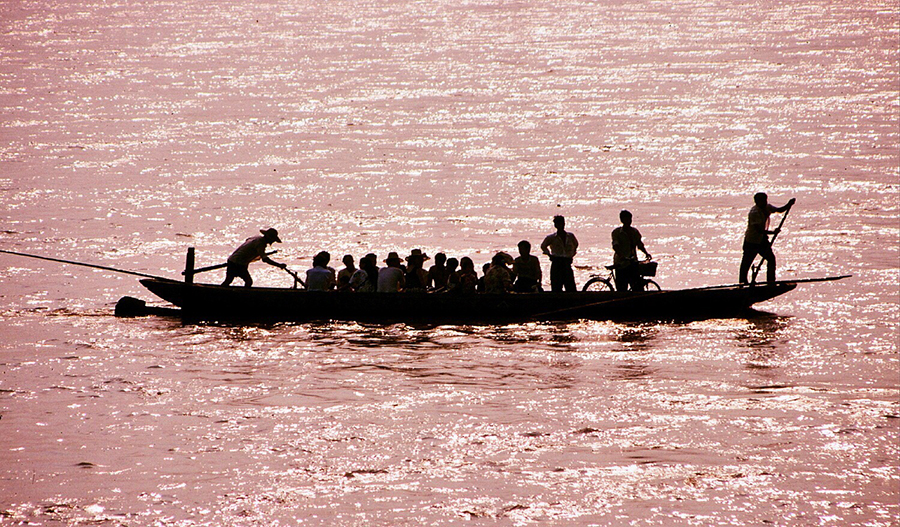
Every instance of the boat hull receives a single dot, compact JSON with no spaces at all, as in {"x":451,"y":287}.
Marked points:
{"x":214,"y":302}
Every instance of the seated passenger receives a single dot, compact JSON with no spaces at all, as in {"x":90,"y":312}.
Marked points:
{"x":343,"y":284}
{"x":437,"y":273}
{"x":358,"y":279}
{"x":498,"y":278}
{"x":320,"y":277}
{"x":416,"y":276}
{"x":480,"y":286}
{"x":347,"y":271}
{"x":452,"y":274}
{"x":365,"y":279}
{"x":527,"y":270}
{"x":390,"y":278}
{"x":468,"y":278}
{"x":372,"y":273}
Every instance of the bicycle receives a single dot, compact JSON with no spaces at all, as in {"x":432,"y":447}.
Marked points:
{"x":607,"y":283}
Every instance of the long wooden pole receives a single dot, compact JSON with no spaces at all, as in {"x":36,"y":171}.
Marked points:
{"x":220,"y":266}
{"x":297,"y":279}
{"x":778,"y":282}
{"x":93,"y":266}
{"x":758,"y":266}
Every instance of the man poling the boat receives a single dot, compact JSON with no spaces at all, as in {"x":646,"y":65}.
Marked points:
{"x":254,"y":248}
{"x":756,"y":239}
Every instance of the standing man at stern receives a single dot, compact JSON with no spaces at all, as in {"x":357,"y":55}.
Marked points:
{"x":561,"y":247}
{"x":254,"y":248}
{"x":756,"y":239}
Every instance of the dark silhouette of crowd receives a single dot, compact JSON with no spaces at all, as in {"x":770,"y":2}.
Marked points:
{"x":410,"y":274}
{"x":503,"y":274}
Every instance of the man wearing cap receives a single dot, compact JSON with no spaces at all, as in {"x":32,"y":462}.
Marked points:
{"x":254,"y":248}
{"x":416,"y":278}
{"x":390,"y":278}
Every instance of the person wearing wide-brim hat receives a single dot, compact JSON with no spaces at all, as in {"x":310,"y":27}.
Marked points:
{"x":416,"y":276}
{"x":254,"y":248}
{"x":417,"y":254}
{"x":390,"y":278}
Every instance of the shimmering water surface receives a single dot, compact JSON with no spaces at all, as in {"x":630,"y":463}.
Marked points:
{"x":133,"y":130}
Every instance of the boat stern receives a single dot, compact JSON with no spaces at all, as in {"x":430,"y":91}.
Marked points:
{"x":171,"y":291}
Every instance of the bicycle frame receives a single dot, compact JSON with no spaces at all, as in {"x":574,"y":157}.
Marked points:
{"x":610,"y":280}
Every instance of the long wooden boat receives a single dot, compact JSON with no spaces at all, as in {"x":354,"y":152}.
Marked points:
{"x":207,"y":302}
{"x":216,"y":302}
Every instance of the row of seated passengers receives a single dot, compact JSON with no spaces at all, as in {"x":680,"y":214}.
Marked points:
{"x":445,"y":275}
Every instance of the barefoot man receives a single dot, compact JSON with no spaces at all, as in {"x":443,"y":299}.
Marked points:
{"x":756,"y":239}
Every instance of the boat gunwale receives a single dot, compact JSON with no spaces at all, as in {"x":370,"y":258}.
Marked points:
{"x":273,"y":303}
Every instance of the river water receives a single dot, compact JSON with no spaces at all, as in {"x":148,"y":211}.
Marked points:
{"x":133,"y":130}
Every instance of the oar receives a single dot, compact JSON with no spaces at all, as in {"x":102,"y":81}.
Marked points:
{"x":94,"y":266}
{"x":219,"y":266}
{"x":771,"y":243}
{"x":777,"y":282}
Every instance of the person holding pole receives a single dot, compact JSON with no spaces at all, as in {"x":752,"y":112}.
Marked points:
{"x":756,"y":240}
{"x":254,"y":248}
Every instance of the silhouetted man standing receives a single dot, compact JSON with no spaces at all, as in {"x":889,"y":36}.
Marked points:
{"x":756,"y":240}
{"x":561,"y":247}
{"x":626,"y":240}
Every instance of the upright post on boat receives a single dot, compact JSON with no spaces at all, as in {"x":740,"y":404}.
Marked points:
{"x":189,"y":267}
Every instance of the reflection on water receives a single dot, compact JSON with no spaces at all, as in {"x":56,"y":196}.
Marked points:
{"x":137,"y":128}
{"x":763,"y":331}
{"x":631,"y":371}
{"x":763,"y":337}
{"x":554,"y":336}
{"x":529,"y":422}
{"x":636,"y":337}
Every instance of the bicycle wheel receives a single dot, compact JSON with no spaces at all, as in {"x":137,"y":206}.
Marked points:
{"x":598,"y":284}
{"x":650,"y":285}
